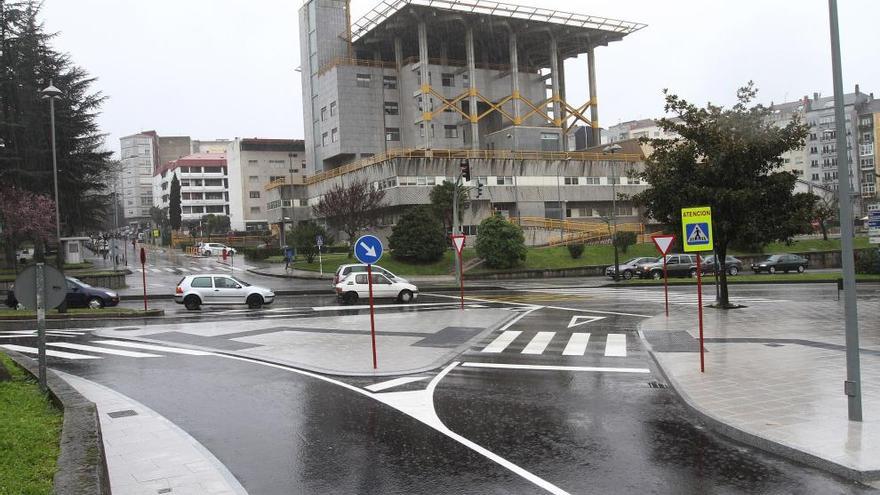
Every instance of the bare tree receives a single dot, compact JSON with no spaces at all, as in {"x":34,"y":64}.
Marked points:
{"x":350,"y":209}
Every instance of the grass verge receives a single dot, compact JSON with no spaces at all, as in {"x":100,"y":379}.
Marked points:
{"x":30,"y":429}
{"x":444,"y":266}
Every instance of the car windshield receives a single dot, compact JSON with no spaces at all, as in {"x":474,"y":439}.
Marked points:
{"x":78,"y":282}
{"x":240,"y":281}
{"x":775,"y":257}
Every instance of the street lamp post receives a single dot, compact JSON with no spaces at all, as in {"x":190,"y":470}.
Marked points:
{"x":51,"y":93}
{"x":612,"y":149}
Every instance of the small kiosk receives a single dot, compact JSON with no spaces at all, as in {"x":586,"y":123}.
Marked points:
{"x":73,"y":249}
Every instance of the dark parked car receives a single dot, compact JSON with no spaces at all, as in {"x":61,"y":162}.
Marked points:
{"x":781,"y":263}
{"x":677,"y":265}
{"x":79,"y":295}
{"x":733,"y":265}
{"x":628,"y":268}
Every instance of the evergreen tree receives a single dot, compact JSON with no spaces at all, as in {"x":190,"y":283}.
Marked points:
{"x":174,"y":203}
{"x":419,"y":236}
{"x":29,"y":63}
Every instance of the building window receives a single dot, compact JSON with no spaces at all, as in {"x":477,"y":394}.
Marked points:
{"x":273,"y":178}
{"x":324,"y":137}
{"x":255,"y":194}
{"x":450,"y":131}
{"x":389,"y":82}
{"x":391,"y":108}
{"x":634,"y":181}
{"x":212,"y":195}
{"x":504,"y":181}
{"x":392,"y":134}
{"x":465,"y":80}
{"x":815,"y":177}
{"x":253,"y":162}
{"x":332,"y":108}
{"x":363,"y":80}
{"x":591,"y":181}
{"x":614,"y":180}
{"x":422,"y":130}
{"x":255,"y":209}
{"x":334,"y":135}
{"x":323,"y":114}
{"x":447,"y":79}
{"x":254,"y":178}
{"x":571,"y":181}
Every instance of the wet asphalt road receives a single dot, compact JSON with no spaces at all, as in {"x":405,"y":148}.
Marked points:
{"x":586,"y":432}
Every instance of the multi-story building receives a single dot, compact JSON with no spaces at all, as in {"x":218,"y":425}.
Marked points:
{"x":399,"y":97}
{"x":868,"y":128}
{"x":204,"y":185}
{"x":254,"y":163}
{"x":141,"y":155}
{"x":636,"y":129}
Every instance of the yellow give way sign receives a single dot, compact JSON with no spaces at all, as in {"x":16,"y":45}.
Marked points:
{"x":696,"y":227}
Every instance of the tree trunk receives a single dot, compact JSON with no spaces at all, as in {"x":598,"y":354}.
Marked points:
{"x":721,"y":263}
{"x":824,"y":230}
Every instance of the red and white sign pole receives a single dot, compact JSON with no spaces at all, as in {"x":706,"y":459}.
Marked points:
{"x":144,"y":273}
{"x":458,"y":242}
{"x":700,"y":312}
{"x":663,"y":243}
{"x":372,"y":315}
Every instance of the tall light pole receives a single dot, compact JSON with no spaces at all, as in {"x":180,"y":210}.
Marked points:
{"x":559,"y":201}
{"x":852,"y":385}
{"x":51,"y":93}
{"x":612,"y":149}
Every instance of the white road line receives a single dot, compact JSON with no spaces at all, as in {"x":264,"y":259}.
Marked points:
{"x":367,"y":306}
{"x":58,"y":354}
{"x":395,"y":382}
{"x":169,"y":270}
{"x":101,"y":350}
{"x":539,"y":343}
{"x":597,"y":311}
{"x":151,"y":347}
{"x":155,"y":270}
{"x":615,"y":345}
{"x":538,"y":367}
{"x":502,"y":341}
{"x":577,"y":344}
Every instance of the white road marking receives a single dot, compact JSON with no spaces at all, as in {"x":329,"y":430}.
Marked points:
{"x":538,"y":343}
{"x":538,"y":367}
{"x":597,"y":311}
{"x":151,"y":347}
{"x":577,"y":344}
{"x":376,"y":387}
{"x":615,"y":345}
{"x":155,"y":270}
{"x":58,"y":354}
{"x":576,"y":320}
{"x":170,"y":270}
{"x":377,"y":306}
{"x":101,"y":350}
{"x":502,"y":341}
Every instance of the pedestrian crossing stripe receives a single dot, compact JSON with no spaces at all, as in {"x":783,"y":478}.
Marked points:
{"x":114,"y":351}
{"x":615,"y":343}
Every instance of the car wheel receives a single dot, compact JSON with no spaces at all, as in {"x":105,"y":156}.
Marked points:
{"x":192,"y":302}
{"x":207,"y":253}
{"x":96,"y":303}
{"x":657,"y":275}
{"x":732,"y":271}
{"x":254,"y":301}
{"x":801,"y":268}
{"x":405,"y":296}
{"x":772,"y":270}
{"x":350,"y":298}
{"x":627,"y":274}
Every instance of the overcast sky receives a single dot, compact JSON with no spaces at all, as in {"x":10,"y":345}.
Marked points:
{"x":225,"y":68}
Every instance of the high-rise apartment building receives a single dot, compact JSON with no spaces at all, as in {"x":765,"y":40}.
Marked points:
{"x":141,"y":155}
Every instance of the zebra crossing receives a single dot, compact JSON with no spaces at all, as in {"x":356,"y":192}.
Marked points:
{"x":98,"y":349}
{"x":576,"y":344}
{"x":189,"y":269}
{"x":654,"y":295}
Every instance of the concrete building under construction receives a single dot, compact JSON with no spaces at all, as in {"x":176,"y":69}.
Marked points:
{"x":400,"y":96}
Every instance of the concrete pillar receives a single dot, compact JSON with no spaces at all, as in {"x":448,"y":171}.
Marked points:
{"x":594,"y":109}
{"x":514,"y":79}
{"x":423,"y":72}
{"x":444,"y":58}
{"x":472,"y":80}
{"x":560,"y":65}
{"x":377,"y":57}
{"x":554,"y":73}
{"x":398,"y":52}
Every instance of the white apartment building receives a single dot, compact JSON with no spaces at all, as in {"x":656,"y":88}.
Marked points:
{"x":635,"y":129}
{"x":204,"y":185}
{"x":137,"y":161}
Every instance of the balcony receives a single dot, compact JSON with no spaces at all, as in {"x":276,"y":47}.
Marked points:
{"x":866,"y":149}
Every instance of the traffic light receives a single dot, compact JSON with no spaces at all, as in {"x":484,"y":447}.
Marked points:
{"x":479,"y":188}
{"x":465,"y":167}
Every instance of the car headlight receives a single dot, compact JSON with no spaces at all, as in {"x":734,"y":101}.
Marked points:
{"x":763,"y":264}
{"x":111,"y":294}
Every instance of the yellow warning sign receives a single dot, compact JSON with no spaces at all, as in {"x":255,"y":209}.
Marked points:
{"x":696,"y":227}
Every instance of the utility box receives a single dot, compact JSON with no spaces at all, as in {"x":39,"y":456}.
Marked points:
{"x":73,"y":249}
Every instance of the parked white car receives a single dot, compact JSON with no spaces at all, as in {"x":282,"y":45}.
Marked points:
{"x":356,"y":286}
{"x":344,"y":271}
{"x":25,"y":255}
{"x":215,"y":249}
{"x":193,"y":291}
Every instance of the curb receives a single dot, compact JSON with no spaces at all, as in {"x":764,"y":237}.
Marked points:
{"x":744,"y":282}
{"x":82,"y":463}
{"x":719,"y":426}
{"x":86,"y":316}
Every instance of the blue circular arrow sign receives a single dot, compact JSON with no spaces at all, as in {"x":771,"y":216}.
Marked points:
{"x":368,"y":249}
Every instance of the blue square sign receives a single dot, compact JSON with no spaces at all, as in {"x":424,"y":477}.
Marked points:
{"x":697,"y":233}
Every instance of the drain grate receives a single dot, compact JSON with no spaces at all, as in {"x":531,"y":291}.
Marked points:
{"x":122,"y":414}
{"x":656,"y":385}
{"x":164,"y":490}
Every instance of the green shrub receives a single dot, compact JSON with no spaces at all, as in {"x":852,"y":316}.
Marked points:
{"x":868,"y":261}
{"x":623,"y":240}
{"x":500,"y":243}
{"x":304,"y":238}
{"x":418,"y":236}
{"x":575,"y":250}
{"x":258,"y":254}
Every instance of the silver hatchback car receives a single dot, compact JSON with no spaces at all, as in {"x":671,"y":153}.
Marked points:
{"x":195,"y":290}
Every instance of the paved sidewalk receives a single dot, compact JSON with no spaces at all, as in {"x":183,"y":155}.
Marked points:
{"x":147,"y":454}
{"x":774,"y":378}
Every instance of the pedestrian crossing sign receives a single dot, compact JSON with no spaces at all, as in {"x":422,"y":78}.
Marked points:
{"x":696,"y":225}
